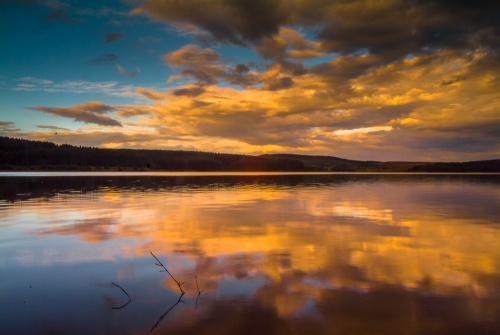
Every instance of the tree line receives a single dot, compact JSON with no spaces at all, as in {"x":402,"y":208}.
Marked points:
{"x":21,"y":154}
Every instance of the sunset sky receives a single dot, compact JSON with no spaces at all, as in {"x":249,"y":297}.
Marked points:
{"x":368,"y":80}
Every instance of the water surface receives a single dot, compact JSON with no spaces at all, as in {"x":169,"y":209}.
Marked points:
{"x":266,"y":254}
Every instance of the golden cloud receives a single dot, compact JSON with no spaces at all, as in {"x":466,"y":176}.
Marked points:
{"x":329,"y":108}
{"x":342,"y":242}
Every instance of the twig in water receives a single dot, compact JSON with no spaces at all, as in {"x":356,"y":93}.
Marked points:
{"x":195,"y":277}
{"x":160,"y":264}
{"x":199,"y":292}
{"x":196,"y":304}
{"x":165,"y":314}
{"x":129,"y":298}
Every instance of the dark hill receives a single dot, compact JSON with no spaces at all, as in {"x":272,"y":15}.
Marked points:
{"x":22,"y":155}
{"x":474,"y":166}
{"x":336,"y":164}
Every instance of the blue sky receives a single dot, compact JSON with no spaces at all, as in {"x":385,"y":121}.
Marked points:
{"x":74,"y":57}
{"x":371,"y":80}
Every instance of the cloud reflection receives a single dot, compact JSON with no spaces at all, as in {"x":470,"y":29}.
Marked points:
{"x":291,"y":246}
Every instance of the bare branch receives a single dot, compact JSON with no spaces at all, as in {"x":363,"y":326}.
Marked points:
{"x":165,"y":314}
{"x":199,"y":292}
{"x":160,"y":264}
{"x":197,"y":287}
{"x":129,"y":298}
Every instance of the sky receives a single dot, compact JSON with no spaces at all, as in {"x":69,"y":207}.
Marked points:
{"x":386,"y":80}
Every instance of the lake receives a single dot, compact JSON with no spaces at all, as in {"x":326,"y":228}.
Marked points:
{"x":253,"y":253}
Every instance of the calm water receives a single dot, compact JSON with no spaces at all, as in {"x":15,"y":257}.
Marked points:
{"x":291,"y":254}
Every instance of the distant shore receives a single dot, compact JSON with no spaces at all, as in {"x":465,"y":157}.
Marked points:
{"x":25,"y":155}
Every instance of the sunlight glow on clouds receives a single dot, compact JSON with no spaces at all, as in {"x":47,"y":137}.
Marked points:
{"x":362,"y":130}
{"x":90,"y":112}
{"x":364,"y":97}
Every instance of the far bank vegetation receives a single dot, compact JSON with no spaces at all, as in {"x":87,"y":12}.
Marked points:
{"x":27,"y":155}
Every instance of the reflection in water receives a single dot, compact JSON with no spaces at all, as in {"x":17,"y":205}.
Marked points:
{"x":160,"y":264}
{"x":129,"y":298}
{"x":346,"y":254}
{"x":199,"y":293}
{"x":168,"y":311}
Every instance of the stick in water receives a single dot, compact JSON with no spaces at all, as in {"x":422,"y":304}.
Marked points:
{"x":160,"y":264}
{"x":129,"y":298}
{"x":199,"y":292}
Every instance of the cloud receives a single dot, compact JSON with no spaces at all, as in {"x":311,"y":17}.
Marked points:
{"x":89,"y":230}
{"x":37,"y":81}
{"x":393,"y":29}
{"x":89,"y":112}
{"x":206,"y":67}
{"x":134,"y":111}
{"x":227,"y":21}
{"x":111,"y":88}
{"x":356,"y":106}
{"x":104,"y":60}
{"x":112,"y":36}
{"x":361,"y":79}
{"x":288,"y":43}
{"x":127,"y":73}
{"x":205,"y":75}
{"x":112,"y":139}
{"x":279,"y":83}
{"x":193,"y":91}
{"x":241,"y":68}
{"x":7,"y":127}
{"x":55,"y":10}
{"x":390,"y":29}
{"x":191,"y":55}
{"x":151,"y":94}
{"x":51,"y":127}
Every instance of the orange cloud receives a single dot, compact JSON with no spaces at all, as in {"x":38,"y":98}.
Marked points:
{"x":321,"y":242}
{"x":89,"y":112}
{"x":428,"y":106}
{"x":191,"y":55}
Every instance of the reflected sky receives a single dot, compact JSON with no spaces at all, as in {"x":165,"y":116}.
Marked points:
{"x":282,"y":254}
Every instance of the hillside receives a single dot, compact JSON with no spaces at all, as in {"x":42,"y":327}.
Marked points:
{"x":24,"y":155}
{"x":336,"y":164}
{"x":20,"y":154}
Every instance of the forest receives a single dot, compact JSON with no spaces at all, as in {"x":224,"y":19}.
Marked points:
{"x":27,"y":155}
{"x":20,"y":154}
